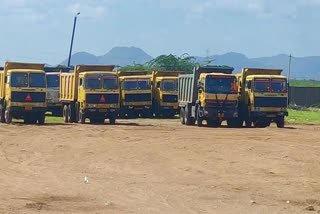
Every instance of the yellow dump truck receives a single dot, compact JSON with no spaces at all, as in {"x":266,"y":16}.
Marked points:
{"x":91,"y":91}
{"x":210,"y":94}
{"x":23,"y":92}
{"x":165,"y":93}
{"x":136,"y":94}
{"x":263,"y":97}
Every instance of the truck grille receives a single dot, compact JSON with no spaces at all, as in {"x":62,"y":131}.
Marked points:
{"x":221,"y":104}
{"x":97,"y":98}
{"x":138,"y":97}
{"x":170,"y":98}
{"x":278,"y":102}
{"x":36,"y":97}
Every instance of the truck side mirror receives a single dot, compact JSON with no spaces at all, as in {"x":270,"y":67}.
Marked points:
{"x":200,"y":90}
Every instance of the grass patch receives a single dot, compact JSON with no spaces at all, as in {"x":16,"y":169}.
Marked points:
{"x":304,"y":83}
{"x":308,"y":116}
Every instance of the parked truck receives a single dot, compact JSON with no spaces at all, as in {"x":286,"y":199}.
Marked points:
{"x":91,"y":91}
{"x":53,"y":93}
{"x":263,"y":97}
{"x":23,"y":92}
{"x":136,"y":94}
{"x":210,"y":94}
{"x":165,"y":93}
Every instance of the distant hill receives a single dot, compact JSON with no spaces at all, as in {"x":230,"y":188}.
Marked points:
{"x":301,"y":67}
{"x":118,"y":56}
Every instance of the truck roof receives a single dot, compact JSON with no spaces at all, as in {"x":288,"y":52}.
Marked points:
{"x":94,"y":68}
{"x":135,"y":77}
{"x":131,"y":73}
{"x":23,"y":66}
{"x":260,"y":71}
{"x":25,"y":70}
{"x":109,"y":73}
{"x":214,"y":69}
{"x":268,"y":76}
{"x":167,"y":78}
{"x":57,"y":69}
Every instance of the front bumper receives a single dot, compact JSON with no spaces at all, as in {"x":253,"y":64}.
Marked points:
{"x":262,"y":114}
{"x":143,"y":108}
{"x":214,"y":113}
{"x":26,"y":109}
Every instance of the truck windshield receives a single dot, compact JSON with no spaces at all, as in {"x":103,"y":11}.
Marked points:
{"x":93,"y":82}
{"x":53,"y":81}
{"x":110,"y":83}
{"x":270,"y":85}
{"x":169,"y":85}
{"x":221,"y":85}
{"x":137,"y":84}
{"x":279,"y":85}
{"x":37,"y":80}
{"x":19,"y":79}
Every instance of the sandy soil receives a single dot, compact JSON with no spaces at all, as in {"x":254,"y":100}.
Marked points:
{"x":158,"y":166}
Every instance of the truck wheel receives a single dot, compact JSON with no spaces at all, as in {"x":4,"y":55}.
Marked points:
{"x":77,"y":109}
{"x":8,"y":116}
{"x":65,"y":114}
{"x":2,"y":113}
{"x":188,"y":119}
{"x":199,"y":118}
{"x":82,"y":117}
{"x":182,"y":118}
{"x":280,"y":122}
{"x":41,"y":118}
{"x":70,"y":118}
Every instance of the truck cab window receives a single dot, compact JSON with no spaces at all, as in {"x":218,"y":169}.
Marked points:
{"x":158,"y":84}
{"x":81,"y":82}
{"x":248,"y":85}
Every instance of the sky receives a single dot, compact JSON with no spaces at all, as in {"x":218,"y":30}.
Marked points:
{"x":40,"y":30}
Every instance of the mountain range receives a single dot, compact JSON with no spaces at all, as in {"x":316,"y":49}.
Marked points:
{"x":301,"y":67}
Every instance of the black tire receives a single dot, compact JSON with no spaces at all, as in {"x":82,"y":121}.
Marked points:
{"x":77,"y":109}
{"x":199,"y":118}
{"x":41,"y":118}
{"x":261,"y":124}
{"x":2,"y":112}
{"x":280,"y":122}
{"x":248,"y":123}
{"x":8,"y":116}
{"x":65,"y":114}
{"x":70,"y":114}
{"x":189,"y":121}
{"x":82,"y":117}
{"x":182,"y":117}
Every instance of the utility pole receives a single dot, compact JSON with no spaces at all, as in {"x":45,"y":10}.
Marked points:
{"x":72,"y":37}
{"x":290,"y":56}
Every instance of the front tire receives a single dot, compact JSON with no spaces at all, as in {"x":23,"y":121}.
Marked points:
{"x":82,"y":117}
{"x":280,"y":122}
{"x":42,"y":118}
{"x":2,"y":114}
{"x":199,"y":118}
{"x":8,"y":116}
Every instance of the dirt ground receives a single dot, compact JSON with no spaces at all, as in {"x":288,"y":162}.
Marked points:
{"x":158,"y":166}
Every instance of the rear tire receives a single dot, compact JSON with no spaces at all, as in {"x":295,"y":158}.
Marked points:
{"x":182,"y":117}
{"x":280,"y":122}
{"x":189,"y":121}
{"x":8,"y":116}
{"x":65,"y":114}
{"x":69,"y":114}
{"x":2,"y":113}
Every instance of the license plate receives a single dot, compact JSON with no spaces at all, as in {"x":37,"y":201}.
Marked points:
{"x":271,"y":115}
{"x":138,"y":108}
{"x":28,"y":108}
{"x":102,"y":110}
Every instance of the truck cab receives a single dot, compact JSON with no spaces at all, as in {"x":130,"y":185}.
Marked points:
{"x":136,"y":96}
{"x":23,"y":92}
{"x":264,"y":97}
{"x":90,"y":92}
{"x":218,"y":99}
{"x":165,"y":93}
